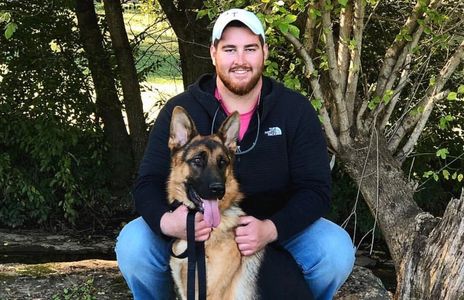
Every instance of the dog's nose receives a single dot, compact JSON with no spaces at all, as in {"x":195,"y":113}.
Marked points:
{"x":217,"y":189}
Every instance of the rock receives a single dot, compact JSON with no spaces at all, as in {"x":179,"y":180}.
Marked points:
{"x":365,"y":261}
{"x":363,"y":285}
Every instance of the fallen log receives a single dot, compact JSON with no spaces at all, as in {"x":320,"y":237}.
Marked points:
{"x":30,"y":246}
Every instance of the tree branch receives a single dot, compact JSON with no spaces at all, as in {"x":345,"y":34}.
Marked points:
{"x":334,"y":75}
{"x":391,"y":56}
{"x":343,"y":56}
{"x":402,"y":63}
{"x":310,"y":71}
{"x":355,"y":61}
{"x":433,"y":94}
{"x":359,"y":121}
{"x":173,"y":14}
{"x":396,"y":94}
{"x":309,"y":34}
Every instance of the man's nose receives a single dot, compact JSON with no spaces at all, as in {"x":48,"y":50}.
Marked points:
{"x":240,"y":57}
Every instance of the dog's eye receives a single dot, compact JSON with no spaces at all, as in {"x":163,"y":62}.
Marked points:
{"x":197,"y":161}
{"x":222,"y":163}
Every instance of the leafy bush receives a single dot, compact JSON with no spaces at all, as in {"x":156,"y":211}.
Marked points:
{"x":52,"y":166}
{"x":48,"y":170}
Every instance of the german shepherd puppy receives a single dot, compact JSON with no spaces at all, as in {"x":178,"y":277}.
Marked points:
{"x":202,"y":178}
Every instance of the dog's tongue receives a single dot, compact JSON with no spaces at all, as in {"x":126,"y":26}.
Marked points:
{"x":211,"y":213}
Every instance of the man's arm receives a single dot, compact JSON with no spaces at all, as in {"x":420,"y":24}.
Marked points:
{"x":310,"y":177}
{"x":149,"y":191}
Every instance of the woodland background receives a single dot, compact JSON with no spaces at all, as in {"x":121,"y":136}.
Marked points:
{"x":81,"y":82}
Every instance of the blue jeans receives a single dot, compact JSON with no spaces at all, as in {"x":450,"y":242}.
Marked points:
{"x":324,"y":252}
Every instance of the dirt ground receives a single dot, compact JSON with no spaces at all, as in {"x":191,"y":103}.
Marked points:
{"x":77,"y":275}
{"x":87,"y":279}
{"x":100,"y":279}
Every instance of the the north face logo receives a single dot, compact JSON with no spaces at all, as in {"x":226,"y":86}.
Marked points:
{"x":273,"y":131}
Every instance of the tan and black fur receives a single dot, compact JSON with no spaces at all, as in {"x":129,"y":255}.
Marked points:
{"x":205,"y":164}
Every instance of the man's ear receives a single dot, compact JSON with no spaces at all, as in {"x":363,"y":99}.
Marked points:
{"x":212,"y":53}
{"x":229,"y":131}
{"x":265,"y":51}
{"x":182,"y":128}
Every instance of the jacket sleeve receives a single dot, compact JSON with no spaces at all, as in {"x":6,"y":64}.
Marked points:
{"x":149,"y":191}
{"x":310,"y":179}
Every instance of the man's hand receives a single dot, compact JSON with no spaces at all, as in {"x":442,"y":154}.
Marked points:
{"x":253,"y":235}
{"x":174,"y":224}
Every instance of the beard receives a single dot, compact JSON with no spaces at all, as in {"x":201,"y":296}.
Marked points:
{"x":240,"y":88}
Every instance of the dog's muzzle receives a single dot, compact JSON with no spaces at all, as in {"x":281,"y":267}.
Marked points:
{"x":208,"y":207}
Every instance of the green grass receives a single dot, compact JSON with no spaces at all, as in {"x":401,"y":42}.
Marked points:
{"x":157,"y":54}
{"x":160,"y":60}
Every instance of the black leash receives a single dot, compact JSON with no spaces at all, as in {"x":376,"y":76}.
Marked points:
{"x":195,"y":254}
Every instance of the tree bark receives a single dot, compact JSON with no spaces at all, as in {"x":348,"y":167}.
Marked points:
{"x":433,"y":268}
{"x":385,"y":190}
{"x":107,"y":101}
{"x":427,"y":252}
{"x":129,"y":81}
{"x":194,"y":38}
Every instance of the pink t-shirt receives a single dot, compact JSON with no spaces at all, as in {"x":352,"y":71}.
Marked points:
{"x":245,"y":118}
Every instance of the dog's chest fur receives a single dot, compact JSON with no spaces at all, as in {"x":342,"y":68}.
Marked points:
{"x":229,"y":275}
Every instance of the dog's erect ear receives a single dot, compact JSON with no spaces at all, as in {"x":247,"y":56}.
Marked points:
{"x":182,"y":128}
{"x":229,"y":131}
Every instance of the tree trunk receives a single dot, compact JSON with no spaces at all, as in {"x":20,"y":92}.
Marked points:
{"x":433,"y":268}
{"x":107,"y":101}
{"x":194,"y":38}
{"x":129,"y":81}
{"x":427,"y":253}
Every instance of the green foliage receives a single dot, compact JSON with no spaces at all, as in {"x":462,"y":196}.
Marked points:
{"x":442,"y":153}
{"x":52,"y":166}
{"x":461,"y":89}
{"x":444,"y":172}
{"x":439,"y":172}
{"x":84,"y":291}
{"x":452,"y":96}
{"x":9,"y":26}
{"x":317,"y":104}
{"x":376,"y":100}
{"x":445,"y":121}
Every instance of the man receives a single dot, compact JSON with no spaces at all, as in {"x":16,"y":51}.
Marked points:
{"x":281,"y":165}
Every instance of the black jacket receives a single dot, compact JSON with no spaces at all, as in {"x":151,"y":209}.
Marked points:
{"x":285,"y":177}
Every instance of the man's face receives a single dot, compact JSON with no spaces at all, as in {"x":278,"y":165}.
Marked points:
{"x":239,"y":59}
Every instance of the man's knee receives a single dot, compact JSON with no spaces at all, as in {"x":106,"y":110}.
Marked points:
{"x":324,"y":245}
{"x":338,"y":252}
{"x":138,"y":247}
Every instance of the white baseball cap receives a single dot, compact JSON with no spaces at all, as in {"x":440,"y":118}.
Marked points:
{"x":236,"y":14}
